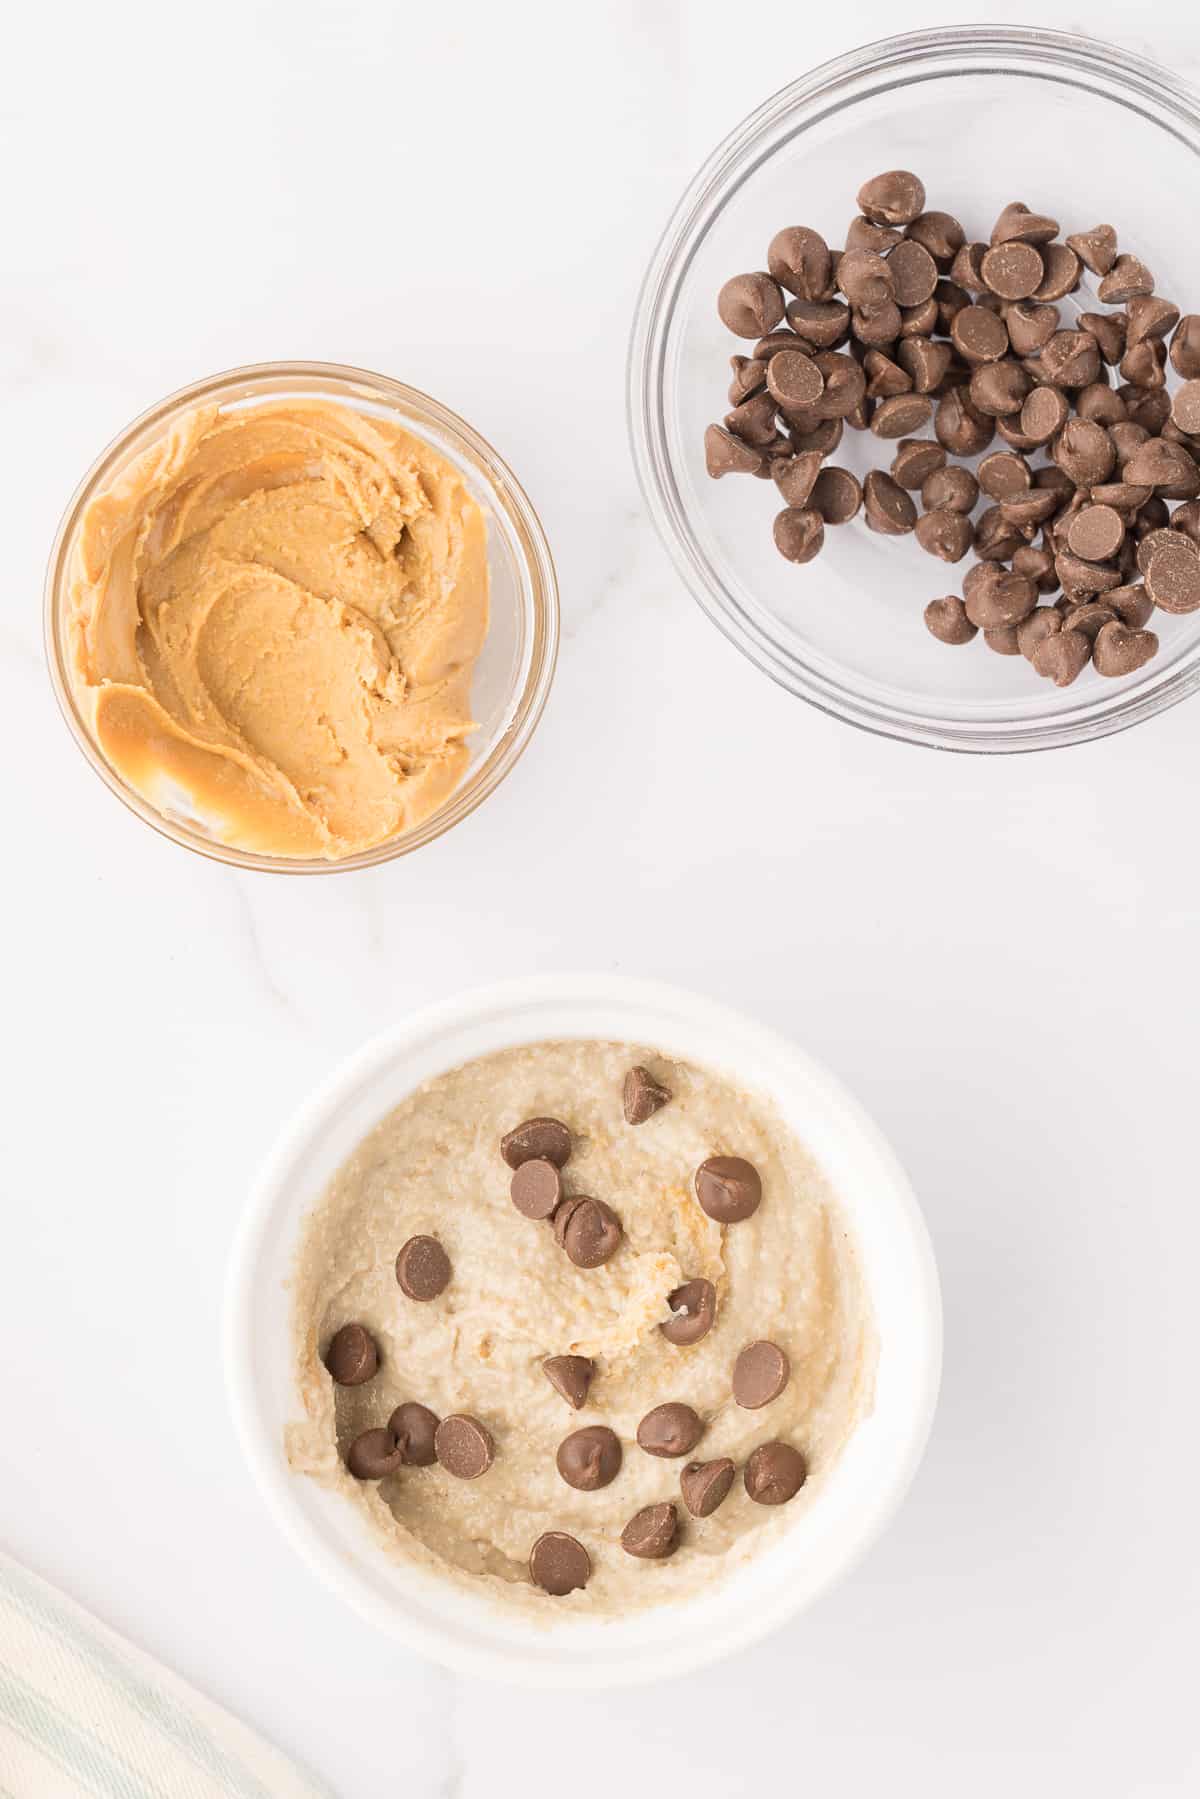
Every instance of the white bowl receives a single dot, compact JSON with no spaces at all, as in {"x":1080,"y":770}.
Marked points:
{"x":857,"y":1498}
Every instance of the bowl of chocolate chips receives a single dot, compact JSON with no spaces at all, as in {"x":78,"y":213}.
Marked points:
{"x":915,"y":389}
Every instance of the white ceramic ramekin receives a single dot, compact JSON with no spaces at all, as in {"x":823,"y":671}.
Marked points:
{"x":857,"y":1498}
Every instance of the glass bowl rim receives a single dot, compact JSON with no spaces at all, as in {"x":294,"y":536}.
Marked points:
{"x":539,"y":598}
{"x":739,"y":154}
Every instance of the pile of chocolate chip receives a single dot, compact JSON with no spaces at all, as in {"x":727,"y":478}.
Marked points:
{"x":729,"y":1190}
{"x":911,"y":325}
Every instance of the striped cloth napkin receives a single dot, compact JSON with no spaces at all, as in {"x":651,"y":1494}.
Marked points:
{"x":83,"y":1712}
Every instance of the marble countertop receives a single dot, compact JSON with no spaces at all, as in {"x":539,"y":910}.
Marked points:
{"x":998,"y":955}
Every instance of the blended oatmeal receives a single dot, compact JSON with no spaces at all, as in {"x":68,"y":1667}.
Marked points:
{"x":578,"y":1320}
{"x":275,"y":613}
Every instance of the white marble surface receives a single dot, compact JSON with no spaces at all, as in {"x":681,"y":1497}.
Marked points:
{"x":999,"y":956}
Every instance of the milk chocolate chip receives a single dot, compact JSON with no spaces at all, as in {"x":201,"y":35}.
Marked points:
{"x":642,"y":1096}
{"x":464,"y":1446}
{"x":589,"y":1231}
{"x":705,"y":1484}
{"x":414,"y":1428}
{"x":725,"y":454}
{"x":775,"y":1473}
{"x":571,"y":1376}
{"x":695,"y":1309}
{"x":652,"y":1533}
{"x":750,"y":304}
{"x":1119,"y":651}
{"x":422,"y":1268}
{"x":589,"y":1458}
{"x":888,"y":509}
{"x":374,"y":1454}
{"x":947,"y":620}
{"x":799,"y":260}
{"x":537,"y":1137}
{"x":799,"y":533}
{"x":760,"y":1374}
{"x":352,"y":1356}
{"x":729,"y":1188}
{"x":836,"y":495}
{"x":536,"y":1188}
{"x":559,"y":1563}
{"x":671,"y":1429}
{"x":895,"y":198}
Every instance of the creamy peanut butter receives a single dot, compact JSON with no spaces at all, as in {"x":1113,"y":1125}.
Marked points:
{"x":274,"y":617}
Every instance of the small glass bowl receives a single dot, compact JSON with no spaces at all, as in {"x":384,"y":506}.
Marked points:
{"x":515,"y":667}
{"x":986,"y":115}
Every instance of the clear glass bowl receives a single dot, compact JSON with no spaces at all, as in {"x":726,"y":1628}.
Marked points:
{"x":514,"y":671}
{"x":985,"y":114}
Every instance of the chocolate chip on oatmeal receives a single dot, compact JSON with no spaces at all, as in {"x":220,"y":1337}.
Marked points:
{"x":464,"y":1446}
{"x":729,"y":1188}
{"x":775,"y":1473}
{"x":559,"y":1563}
{"x":671,"y":1429}
{"x":546,"y":1138}
{"x":352,"y":1356}
{"x":652,"y":1533}
{"x":571,"y":1376}
{"x":414,"y":1427}
{"x":589,"y":1458}
{"x":374,"y":1454}
{"x":536,"y":1188}
{"x":705,"y":1484}
{"x":643,"y":1096}
{"x":760,"y":1374}
{"x":588,"y":1229}
{"x":422,"y":1268}
{"x":695,"y":1308}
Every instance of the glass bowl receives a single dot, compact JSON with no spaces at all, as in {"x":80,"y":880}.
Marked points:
{"x":986,"y":115}
{"x":516,"y":665}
